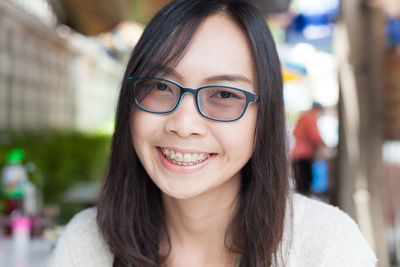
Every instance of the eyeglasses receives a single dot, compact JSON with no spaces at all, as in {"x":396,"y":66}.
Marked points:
{"x":214,"y":102}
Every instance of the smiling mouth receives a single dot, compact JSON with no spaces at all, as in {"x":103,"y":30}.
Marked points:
{"x":185,"y":159}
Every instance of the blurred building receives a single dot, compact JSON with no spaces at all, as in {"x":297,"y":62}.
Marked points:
{"x":33,"y":59}
{"x":52,"y":77}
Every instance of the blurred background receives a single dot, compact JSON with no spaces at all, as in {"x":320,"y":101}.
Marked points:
{"x":61,"y":64}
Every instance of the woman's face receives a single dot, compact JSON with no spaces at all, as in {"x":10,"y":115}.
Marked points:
{"x":219,"y":53}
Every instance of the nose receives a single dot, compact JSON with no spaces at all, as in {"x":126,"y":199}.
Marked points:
{"x":186,"y":120}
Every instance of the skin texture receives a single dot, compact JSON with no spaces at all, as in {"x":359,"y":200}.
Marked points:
{"x":200,"y":204}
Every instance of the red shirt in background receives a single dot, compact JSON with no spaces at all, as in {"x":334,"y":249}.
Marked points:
{"x":306,"y":135}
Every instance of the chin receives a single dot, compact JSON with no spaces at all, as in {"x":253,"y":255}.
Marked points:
{"x":180,"y":194}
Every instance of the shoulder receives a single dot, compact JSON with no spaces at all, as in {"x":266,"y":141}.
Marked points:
{"x":309,"y":210}
{"x":324,"y":235}
{"x":81,"y":243}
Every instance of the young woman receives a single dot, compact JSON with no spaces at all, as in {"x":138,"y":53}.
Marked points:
{"x":198,"y":171}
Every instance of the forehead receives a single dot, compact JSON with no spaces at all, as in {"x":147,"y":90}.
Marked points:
{"x":218,"y":47}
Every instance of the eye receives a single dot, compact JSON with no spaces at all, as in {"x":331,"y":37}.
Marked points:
{"x":225,"y":94}
{"x":161,"y":86}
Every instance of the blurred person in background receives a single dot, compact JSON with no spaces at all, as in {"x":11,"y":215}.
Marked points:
{"x":307,"y":143}
{"x":198,"y":170}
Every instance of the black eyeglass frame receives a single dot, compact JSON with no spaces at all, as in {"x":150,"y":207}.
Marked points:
{"x":250,"y":97}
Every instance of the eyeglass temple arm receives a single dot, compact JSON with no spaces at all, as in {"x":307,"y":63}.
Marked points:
{"x":254,"y":97}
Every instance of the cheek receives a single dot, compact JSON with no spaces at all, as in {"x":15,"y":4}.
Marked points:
{"x":138,"y":131}
{"x":238,"y":138}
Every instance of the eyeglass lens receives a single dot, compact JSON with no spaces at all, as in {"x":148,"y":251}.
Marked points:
{"x":215,"y":102}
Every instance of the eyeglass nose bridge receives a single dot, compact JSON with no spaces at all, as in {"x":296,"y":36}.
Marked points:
{"x":192,"y":91}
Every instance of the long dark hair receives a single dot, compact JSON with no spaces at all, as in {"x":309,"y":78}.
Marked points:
{"x":130,"y":211}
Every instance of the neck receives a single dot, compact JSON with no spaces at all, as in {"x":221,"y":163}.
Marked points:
{"x":201,"y":222}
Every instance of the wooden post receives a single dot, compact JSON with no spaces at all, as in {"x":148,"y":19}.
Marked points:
{"x":359,"y":46}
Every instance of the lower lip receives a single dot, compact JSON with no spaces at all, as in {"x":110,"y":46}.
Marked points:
{"x":182,"y":168}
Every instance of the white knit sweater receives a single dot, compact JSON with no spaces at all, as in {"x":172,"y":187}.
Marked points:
{"x":322,"y":236}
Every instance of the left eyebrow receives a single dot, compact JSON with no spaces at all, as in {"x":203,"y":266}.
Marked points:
{"x":228,"y":77}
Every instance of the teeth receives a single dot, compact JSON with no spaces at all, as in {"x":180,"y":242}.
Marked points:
{"x":185,"y":158}
{"x":201,"y":157}
{"x":178,"y":156}
{"x":195,"y":157}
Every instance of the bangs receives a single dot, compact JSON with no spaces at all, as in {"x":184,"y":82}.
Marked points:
{"x":163,"y":46}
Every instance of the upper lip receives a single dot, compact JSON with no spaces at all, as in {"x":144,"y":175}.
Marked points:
{"x":181,"y":150}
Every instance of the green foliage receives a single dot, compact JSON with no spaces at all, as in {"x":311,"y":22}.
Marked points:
{"x":63,"y":159}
